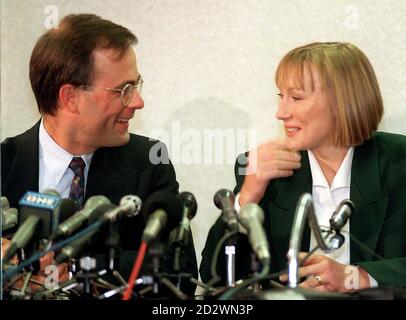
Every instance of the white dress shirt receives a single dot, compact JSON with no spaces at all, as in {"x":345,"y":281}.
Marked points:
{"x":327,"y":198}
{"x":54,"y":172}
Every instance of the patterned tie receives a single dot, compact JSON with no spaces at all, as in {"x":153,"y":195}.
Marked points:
{"x":77,"y":188}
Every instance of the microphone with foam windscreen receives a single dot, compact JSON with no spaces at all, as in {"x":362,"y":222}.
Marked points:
{"x":38,"y":219}
{"x":162,"y":211}
{"x":251,"y":216}
{"x":66,"y":207}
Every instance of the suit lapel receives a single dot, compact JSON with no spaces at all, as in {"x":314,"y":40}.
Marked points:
{"x":24,"y":171}
{"x":370,"y":202}
{"x":109,"y":175}
{"x":282,"y":209}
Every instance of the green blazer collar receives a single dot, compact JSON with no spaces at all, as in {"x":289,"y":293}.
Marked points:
{"x":366,"y":193}
{"x":284,"y":194}
{"x":369,"y":199}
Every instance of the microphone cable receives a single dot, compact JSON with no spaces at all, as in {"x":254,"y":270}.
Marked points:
{"x":264,"y":276}
{"x":135,"y":270}
{"x":213,"y":266}
{"x":93,"y":227}
{"x":370,"y":251}
{"x":227,"y":295}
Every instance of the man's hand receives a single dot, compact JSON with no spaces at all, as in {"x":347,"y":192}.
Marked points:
{"x":5,"y":244}
{"x":37,"y":281}
{"x":269,"y":161}
{"x":325,"y":274}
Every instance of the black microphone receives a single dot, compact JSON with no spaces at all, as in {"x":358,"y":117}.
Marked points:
{"x":161,"y":210}
{"x":341,"y":214}
{"x":224,"y":200}
{"x":79,"y":218}
{"x":251,"y":216}
{"x":38,"y":218}
{"x":189,"y":212}
{"x":67,"y":208}
{"x":338,"y":221}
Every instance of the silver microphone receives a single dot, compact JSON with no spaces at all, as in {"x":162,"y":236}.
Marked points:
{"x":251,"y":216}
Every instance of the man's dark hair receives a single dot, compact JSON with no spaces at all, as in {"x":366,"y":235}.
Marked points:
{"x":65,"y":55}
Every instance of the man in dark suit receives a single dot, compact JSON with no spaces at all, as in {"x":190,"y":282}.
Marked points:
{"x":87,"y":85}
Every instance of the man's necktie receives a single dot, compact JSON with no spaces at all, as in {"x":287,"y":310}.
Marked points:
{"x":77,"y":188}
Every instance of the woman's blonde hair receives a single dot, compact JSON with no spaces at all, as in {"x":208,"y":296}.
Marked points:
{"x":347,"y":75}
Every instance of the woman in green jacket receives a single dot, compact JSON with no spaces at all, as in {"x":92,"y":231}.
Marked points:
{"x":330,"y":105}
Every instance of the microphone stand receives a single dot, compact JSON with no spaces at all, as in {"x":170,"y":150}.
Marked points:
{"x":230,"y":251}
{"x":304,"y":209}
{"x":88,"y":266}
{"x":113,"y":246}
{"x":156,"y":252}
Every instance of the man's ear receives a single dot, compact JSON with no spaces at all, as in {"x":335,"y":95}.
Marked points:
{"x":68,"y":97}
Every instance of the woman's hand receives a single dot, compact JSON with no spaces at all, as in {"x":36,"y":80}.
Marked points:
{"x":325,"y":274}
{"x":269,"y":161}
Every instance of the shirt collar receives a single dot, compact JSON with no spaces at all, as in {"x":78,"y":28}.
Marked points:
{"x":343,"y":177}
{"x":54,"y":156}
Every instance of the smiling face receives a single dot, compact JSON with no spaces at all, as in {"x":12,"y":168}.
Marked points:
{"x":102,"y":120}
{"x":305,"y":110}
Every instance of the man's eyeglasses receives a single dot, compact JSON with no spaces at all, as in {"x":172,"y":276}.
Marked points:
{"x":126,"y":93}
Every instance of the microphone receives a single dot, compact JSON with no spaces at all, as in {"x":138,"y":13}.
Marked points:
{"x":130,"y":205}
{"x":9,"y":218}
{"x":251,"y":216}
{"x":38,"y":217}
{"x":341,"y":215}
{"x":79,"y":218}
{"x":66,"y":208}
{"x":162,"y":209}
{"x":73,"y":249}
{"x":4,"y":203}
{"x":189,"y":212}
{"x":338,"y":221}
{"x":224,"y":200}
